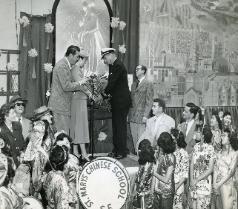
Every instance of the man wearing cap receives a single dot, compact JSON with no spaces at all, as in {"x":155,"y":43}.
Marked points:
{"x":142,"y":94}
{"x":118,"y":89}
{"x":63,"y":87}
{"x":19,"y":107}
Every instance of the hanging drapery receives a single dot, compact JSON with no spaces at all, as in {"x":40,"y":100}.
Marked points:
{"x":35,"y":46}
{"x":123,"y":10}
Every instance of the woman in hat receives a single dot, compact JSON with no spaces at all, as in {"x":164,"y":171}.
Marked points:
{"x":79,"y":113}
{"x":11,"y":132}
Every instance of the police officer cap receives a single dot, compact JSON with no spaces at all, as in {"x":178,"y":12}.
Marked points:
{"x":105,"y":51}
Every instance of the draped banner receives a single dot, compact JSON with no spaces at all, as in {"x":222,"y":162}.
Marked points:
{"x":33,"y":79}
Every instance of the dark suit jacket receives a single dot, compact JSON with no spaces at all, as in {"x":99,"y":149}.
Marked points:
{"x":117,"y":86}
{"x":14,"y":141}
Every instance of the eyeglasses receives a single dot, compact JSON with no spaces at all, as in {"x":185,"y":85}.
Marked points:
{"x":20,"y":104}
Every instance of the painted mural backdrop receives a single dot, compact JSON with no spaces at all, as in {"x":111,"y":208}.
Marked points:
{"x":191,"y":50}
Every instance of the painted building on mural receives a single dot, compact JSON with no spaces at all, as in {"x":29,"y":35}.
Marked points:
{"x":188,"y":56}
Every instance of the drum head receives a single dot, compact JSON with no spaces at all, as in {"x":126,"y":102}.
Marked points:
{"x":103,"y":183}
{"x":32,"y":203}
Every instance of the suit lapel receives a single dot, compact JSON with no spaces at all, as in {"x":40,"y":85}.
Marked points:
{"x":141,"y":84}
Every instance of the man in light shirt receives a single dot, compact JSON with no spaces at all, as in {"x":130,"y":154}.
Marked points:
{"x":157,"y":124}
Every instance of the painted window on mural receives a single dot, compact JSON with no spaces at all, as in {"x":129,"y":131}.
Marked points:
{"x":191,"y":50}
{"x":9,"y":74}
{"x":86,"y":24}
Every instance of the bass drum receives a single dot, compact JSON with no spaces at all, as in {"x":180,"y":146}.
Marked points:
{"x":32,"y":203}
{"x":103,"y":183}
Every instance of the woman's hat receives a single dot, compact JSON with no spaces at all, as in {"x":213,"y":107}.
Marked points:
{"x":39,"y":112}
{"x":83,"y":53}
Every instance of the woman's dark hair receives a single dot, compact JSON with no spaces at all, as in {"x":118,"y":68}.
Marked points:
{"x":166,"y":142}
{"x":46,"y":130}
{"x":207,"y":134}
{"x":4,"y":111}
{"x":10,"y":172}
{"x":218,"y":120}
{"x":226,"y":113}
{"x":146,"y":152}
{"x":179,"y":137}
{"x":58,"y":158}
{"x":61,"y":137}
{"x":233,"y":140}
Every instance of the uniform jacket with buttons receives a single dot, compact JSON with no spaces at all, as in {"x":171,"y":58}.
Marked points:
{"x":14,"y":141}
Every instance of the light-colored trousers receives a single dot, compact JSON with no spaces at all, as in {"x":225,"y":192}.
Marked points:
{"x":137,"y":129}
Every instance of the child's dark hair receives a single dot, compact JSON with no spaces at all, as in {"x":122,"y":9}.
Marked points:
{"x":58,"y":158}
{"x":61,"y":137}
{"x":146,"y":152}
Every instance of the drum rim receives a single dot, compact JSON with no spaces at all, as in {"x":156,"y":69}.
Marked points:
{"x":119,"y":164}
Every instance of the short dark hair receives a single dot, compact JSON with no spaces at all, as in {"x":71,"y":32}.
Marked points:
{"x":161,"y":102}
{"x":58,"y":158}
{"x":4,"y":111}
{"x":144,"y":68}
{"x":179,"y":137}
{"x":192,"y":108}
{"x":207,"y":134}
{"x":72,"y":50}
{"x":166,"y":142}
{"x":146,"y":152}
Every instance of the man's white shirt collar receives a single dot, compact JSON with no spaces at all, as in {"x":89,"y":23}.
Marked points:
{"x":68,"y":63}
{"x":189,"y":125}
{"x":141,"y":79}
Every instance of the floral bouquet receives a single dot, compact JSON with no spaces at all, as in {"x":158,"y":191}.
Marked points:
{"x":95,"y":85}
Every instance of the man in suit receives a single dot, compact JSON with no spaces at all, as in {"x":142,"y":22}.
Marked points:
{"x":19,"y":106}
{"x":142,"y":94}
{"x":188,"y":127}
{"x":157,"y":124}
{"x":63,"y":87}
{"x":118,"y":89}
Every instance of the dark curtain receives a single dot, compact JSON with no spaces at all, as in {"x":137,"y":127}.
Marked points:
{"x":128,"y":11}
{"x":34,"y":81}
